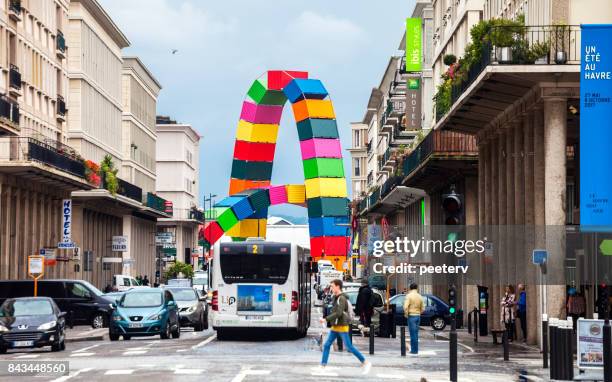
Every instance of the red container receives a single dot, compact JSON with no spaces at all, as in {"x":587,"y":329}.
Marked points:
{"x":254,"y":151}
{"x":212,"y":232}
{"x":278,"y":79}
{"x":330,"y":245}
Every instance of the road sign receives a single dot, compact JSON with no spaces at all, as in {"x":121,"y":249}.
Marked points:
{"x":539,"y":256}
{"x":120,"y":244}
{"x":164,"y":238}
{"x":48,"y":254}
{"x":36,"y":270}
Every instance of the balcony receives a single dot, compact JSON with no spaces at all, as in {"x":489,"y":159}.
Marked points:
{"x":388,"y":160}
{"x":190,"y":214}
{"x":129,"y":190}
{"x":440,"y":157}
{"x":9,"y":116}
{"x":60,"y":45}
{"x":46,"y":162}
{"x":504,"y":74}
{"x":15,"y":10}
{"x":60,"y":109}
{"x":156,"y":202}
{"x":395,"y":110}
{"x":14,"y":81}
{"x":401,"y":137}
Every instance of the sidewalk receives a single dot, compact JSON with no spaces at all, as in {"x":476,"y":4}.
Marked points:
{"x":85,"y":333}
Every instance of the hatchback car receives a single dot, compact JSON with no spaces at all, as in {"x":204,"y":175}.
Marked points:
{"x":31,"y":322}
{"x":436,"y":312}
{"x":193,"y":309}
{"x":145,"y":312}
{"x":352,"y":297}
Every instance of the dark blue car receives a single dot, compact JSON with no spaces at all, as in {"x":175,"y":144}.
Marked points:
{"x":435,"y":314}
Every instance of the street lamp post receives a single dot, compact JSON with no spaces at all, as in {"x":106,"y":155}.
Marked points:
{"x":210,"y":200}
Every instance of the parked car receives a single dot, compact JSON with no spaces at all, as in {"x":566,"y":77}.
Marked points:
{"x":436,"y":312}
{"x":82,"y":302}
{"x":125,"y":282}
{"x":145,"y":312}
{"x":200,"y":282}
{"x":193,"y":309}
{"x":31,"y":322}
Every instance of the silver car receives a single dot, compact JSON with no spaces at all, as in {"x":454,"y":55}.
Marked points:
{"x":193,"y":310}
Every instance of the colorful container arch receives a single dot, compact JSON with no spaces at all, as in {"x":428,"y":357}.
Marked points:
{"x":244,"y":213}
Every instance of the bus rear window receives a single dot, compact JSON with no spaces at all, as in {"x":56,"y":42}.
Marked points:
{"x":255,"y":268}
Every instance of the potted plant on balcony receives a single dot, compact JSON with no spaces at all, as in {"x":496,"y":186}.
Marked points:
{"x":559,"y":35}
{"x":449,"y":59}
{"x":109,"y":174}
{"x":539,"y":52}
{"x":502,"y":37}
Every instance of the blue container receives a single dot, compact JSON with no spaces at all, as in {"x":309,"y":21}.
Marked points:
{"x":328,"y":226}
{"x":243,"y":209}
{"x":260,"y":214}
{"x":228,"y":202}
{"x":301,"y":88}
{"x":259,"y":199}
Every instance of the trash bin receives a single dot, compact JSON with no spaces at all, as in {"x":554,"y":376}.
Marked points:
{"x":387,"y":324}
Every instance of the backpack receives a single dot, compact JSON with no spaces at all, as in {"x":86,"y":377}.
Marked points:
{"x":350,"y":311}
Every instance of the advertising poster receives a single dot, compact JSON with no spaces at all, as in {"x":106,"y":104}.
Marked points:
{"x":254,"y":299}
{"x":590,"y":343}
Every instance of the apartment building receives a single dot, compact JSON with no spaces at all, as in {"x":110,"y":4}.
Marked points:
{"x":358,"y":151}
{"x":178,"y":175}
{"x":520,"y":96}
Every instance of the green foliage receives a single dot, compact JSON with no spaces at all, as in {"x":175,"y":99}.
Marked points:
{"x":179,"y":267}
{"x":449,"y":59}
{"x":443,"y":97}
{"x":538,"y":50}
{"x":109,"y":172}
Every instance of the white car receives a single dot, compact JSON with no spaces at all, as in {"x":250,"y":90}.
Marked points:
{"x":125,"y":282}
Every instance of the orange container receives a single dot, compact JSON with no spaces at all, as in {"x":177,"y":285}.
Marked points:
{"x":239,"y":185}
{"x":313,"y":108}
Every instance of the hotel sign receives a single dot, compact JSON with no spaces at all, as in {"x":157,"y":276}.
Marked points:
{"x":595,"y":131}
{"x":66,"y":242}
{"x":414,"y":48}
{"x":413,"y":103}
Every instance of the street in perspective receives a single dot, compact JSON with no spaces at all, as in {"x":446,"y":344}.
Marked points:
{"x":447,"y":217}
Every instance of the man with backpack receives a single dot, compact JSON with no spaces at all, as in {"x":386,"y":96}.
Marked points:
{"x":340,"y":318}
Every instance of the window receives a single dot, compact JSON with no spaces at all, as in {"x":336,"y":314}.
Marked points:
{"x":248,"y":268}
{"x":53,"y":289}
{"x":76,"y":290}
{"x":356,"y":139}
{"x":357,"y":166}
{"x":189,"y":156}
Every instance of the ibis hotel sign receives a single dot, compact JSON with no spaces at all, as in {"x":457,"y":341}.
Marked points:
{"x":595,"y":127}
{"x":414,"y":48}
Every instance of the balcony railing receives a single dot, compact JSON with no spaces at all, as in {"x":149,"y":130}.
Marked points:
{"x":9,"y":110}
{"x":156,"y":202}
{"x":374,"y":197}
{"x":60,"y":42}
{"x":30,"y":149}
{"x":190,"y":214}
{"x":526,"y":45}
{"x":126,"y":189}
{"x":15,"y":6}
{"x":61,"y":105}
{"x":389,"y":185}
{"x":449,"y":143}
{"x":363,"y":204}
{"x":14,"y":77}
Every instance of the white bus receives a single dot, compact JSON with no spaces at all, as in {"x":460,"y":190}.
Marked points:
{"x":260,"y":284}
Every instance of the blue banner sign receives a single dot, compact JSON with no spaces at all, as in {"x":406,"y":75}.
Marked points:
{"x":596,"y":128}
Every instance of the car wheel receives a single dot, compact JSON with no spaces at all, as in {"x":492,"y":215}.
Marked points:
{"x":98,"y":321}
{"x":199,"y":326}
{"x":126,"y":338}
{"x":177,"y":333}
{"x":3,"y":350}
{"x":63,"y":345}
{"x":56,"y":347}
{"x":113,"y":336}
{"x":438,"y":323}
{"x":165,"y":333}
{"x":205,"y":323}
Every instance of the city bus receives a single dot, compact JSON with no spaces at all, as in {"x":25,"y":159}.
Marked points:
{"x":260,"y":284}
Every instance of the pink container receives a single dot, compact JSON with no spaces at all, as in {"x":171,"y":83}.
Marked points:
{"x":278,"y":195}
{"x":255,"y":113}
{"x":321,"y":148}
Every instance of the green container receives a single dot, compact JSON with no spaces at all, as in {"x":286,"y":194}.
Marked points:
{"x":251,"y":170}
{"x":261,"y":95}
{"x":226,"y":219}
{"x":323,"y":168}
{"x":319,"y":207}
{"x":317,"y":128}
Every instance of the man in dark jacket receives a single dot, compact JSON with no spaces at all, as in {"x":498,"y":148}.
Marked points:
{"x":364,"y":307}
{"x":339,"y":318}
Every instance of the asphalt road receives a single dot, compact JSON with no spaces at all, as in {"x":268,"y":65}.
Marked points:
{"x":198,"y":356}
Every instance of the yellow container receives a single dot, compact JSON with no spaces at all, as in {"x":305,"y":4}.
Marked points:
{"x":326,"y":187}
{"x":296,"y":193}
{"x":313,"y":108}
{"x":248,"y":228}
{"x":256,"y":132}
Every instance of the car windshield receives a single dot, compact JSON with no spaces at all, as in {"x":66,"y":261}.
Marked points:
{"x":92,"y":288}
{"x":140,"y":300}
{"x":201,"y":280}
{"x":186,"y":294}
{"x":16,"y":308}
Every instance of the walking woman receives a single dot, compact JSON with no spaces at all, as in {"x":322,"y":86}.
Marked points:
{"x":508,"y":304}
{"x":339,"y":318}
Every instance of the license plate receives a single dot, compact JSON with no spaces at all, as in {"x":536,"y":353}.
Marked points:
{"x":254,"y":318}
{"x":19,"y":344}
{"x":137,"y":325}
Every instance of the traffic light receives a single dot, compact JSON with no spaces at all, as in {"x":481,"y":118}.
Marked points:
{"x":452,"y":300}
{"x":453,"y":208}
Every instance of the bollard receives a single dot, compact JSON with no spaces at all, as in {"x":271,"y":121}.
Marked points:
{"x":569,"y":354}
{"x":506,"y":345}
{"x":552,"y":334}
{"x":476,"y":324}
{"x":545,"y":341}
{"x":371,"y":334}
{"x":561,"y":365}
{"x":452,"y":343}
{"x":469,"y":322}
{"x":403,"y":341}
{"x":607,"y":339}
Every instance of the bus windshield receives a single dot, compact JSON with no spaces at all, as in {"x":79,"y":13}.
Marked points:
{"x":252,"y":268}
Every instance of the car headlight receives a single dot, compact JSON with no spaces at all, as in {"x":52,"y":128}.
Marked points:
{"x":156,"y":316}
{"x":47,"y":325}
{"x":117,"y":317}
{"x":192,"y":308}
{"x":3,"y":329}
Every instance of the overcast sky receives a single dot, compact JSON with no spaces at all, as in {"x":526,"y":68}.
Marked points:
{"x":224,"y":45}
